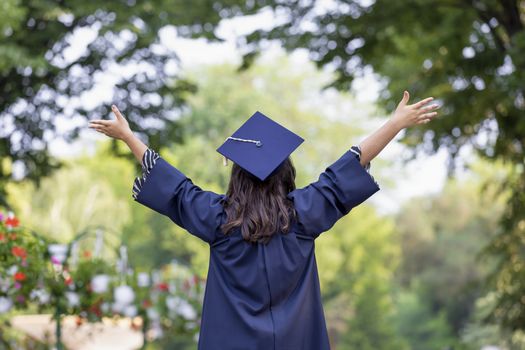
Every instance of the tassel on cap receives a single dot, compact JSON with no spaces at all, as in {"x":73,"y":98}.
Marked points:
{"x":224,"y":161}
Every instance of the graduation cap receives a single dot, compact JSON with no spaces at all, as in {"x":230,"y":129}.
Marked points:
{"x":260,"y":145}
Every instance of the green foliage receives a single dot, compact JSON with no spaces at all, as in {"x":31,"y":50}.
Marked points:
{"x":42,"y":82}
{"x":478,"y":333}
{"x":509,"y":248}
{"x":59,"y":210}
{"x":442,"y":274}
{"x":467,"y":54}
{"x":422,"y":328}
{"x":409,"y":283}
{"x":223,"y":101}
{"x":451,"y":50}
{"x":357,"y":259}
{"x":441,"y":239}
{"x":21,"y":260}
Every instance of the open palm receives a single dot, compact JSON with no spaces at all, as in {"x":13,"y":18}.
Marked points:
{"x":117,"y":128}
{"x":418,"y":113}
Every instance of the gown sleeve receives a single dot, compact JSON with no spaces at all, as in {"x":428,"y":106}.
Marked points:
{"x":342,"y":186}
{"x":148,"y":161}
{"x":166,"y":190}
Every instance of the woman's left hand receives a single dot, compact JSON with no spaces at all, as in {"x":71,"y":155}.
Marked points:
{"x":407,"y":115}
{"x":117,"y":128}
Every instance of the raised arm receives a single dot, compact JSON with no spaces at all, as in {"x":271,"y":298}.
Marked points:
{"x":164,"y":188}
{"x":346,"y":183}
{"x":404,"y":116}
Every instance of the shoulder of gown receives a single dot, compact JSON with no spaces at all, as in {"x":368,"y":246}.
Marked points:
{"x":166,"y":190}
{"x":343,"y":185}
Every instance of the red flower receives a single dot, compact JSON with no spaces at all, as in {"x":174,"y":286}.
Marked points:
{"x":12,"y":221}
{"x":19,"y":276}
{"x":87,"y":254}
{"x":163,"y":286}
{"x":186,"y":285}
{"x":12,"y":236}
{"x":95,"y":308}
{"x":2,"y":237}
{"x":146,"y":303}
{"x":79,"y":321}
{"x":19,"y":251}
{"x":68,"y":280}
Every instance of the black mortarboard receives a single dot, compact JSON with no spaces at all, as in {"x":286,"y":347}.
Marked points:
{"x":260,"y":145}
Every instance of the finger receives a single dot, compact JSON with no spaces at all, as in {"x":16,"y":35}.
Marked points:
{"x":116,"y":112}
{"x":97,"y":126}
{"x":424,"y":121}
{"x":100,"y":122}
{"x":422,"y":102}
{"x":428,"y":115}
{"x":99,"y":129}
{"x":428,"y":108}
{"x":405,"y":98}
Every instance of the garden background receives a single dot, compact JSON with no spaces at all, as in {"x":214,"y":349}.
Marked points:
{"x":435,"y":260}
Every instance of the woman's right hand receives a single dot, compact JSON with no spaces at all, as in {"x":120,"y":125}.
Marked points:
{"x":117,"y":128}
{"x":407,"y":115}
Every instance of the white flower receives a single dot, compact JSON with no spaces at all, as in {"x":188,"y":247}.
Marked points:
{"x":58,"y":252}
{"x":124,"y":295}
{"x":130,"y":311}
{"x":152,"y":314}
{"x":156,"y":330}
{"x":5,"y":304}
{"x":172,"y":287}
{"x":5,"y":283}
{"x":12,"y":270}
{"x":117,"y":308}
{"x":143,"y":279}
{"x":100,"y":283}
{"x":72,"y":299}
{"x":172,"y":303}
{"x":41,"y":295}
{"x":104,"y":307}
{"x":44,"y":297}
{"x":182,"y":307}
{"x":186,"y":310}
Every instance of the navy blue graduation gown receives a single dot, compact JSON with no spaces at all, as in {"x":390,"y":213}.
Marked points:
{"x":261,"y":297}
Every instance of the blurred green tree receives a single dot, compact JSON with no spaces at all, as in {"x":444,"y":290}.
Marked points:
{"x":421,"y":327}
{"x":54,"y":53}
{"x":468,"y":54}
{"x":291,"y":94}
{"x":60,"y":211}
{"x":443,"y":270}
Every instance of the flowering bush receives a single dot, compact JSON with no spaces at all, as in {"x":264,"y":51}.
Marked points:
{"x":170,"y":298}
{"x":48,"y":276}
{"x":21,"y":261}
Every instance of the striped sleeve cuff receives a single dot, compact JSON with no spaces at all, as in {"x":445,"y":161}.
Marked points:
{"x":148,"y":161}
{"x":357,"y":150}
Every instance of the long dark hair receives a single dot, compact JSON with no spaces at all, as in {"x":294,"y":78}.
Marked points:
{"x":260,"y":208}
